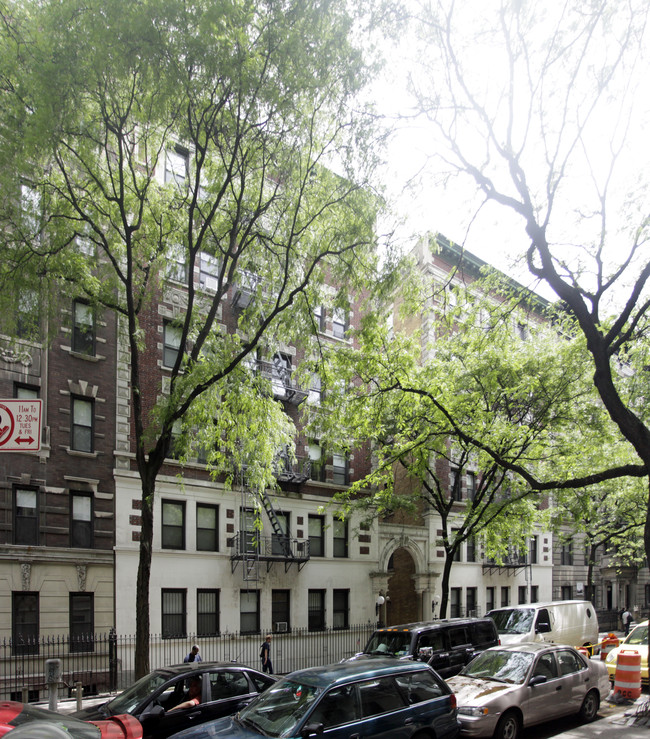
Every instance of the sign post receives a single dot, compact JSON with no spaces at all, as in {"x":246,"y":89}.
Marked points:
{"x":20,"y":425}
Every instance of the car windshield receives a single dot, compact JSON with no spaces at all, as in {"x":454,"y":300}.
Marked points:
{"x":638,"y":635}
{"x":394,"y":643}
{"x":504,"y":666}
{"x":131,"y":698}
{"x":75,"y":727}
{"x":279,"y":710}
{"x":513,"y":620}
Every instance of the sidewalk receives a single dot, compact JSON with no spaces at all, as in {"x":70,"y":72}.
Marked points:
{"x":633,"y":723}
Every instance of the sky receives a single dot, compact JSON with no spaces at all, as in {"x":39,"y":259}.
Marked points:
{"x":425,"y":202}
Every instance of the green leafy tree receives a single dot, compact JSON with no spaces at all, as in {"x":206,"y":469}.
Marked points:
{"x":539,"y":108}
{"x":157,"y":135}
{"x":471,"y":395}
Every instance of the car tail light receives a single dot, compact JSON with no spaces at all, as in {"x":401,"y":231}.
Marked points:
{"x":452,"y":700}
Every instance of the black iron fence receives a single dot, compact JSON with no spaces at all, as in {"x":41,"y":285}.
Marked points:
{"x":104,"y":663}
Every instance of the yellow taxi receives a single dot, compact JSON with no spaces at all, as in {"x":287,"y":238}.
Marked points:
{"x":635,"y":641}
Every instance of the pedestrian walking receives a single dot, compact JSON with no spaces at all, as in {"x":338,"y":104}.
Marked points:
{"x":265,"y":655}
{"x":626,"y":618}
{"x":194,"y":655}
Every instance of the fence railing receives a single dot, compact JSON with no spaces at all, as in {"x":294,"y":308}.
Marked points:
{"x":104,"y":663}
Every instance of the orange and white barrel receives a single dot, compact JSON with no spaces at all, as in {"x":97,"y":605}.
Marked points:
{"x":609,"y":642}
{"x":627,"y":680}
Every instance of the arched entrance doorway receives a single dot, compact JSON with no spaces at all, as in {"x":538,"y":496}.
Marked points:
{"x":403,"y":606}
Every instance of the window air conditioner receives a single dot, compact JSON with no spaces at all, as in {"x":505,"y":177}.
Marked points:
{"x":280,"y":626}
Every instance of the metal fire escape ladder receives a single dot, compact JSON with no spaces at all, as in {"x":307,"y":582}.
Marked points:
{"x":277,"y":526}
{"x":249,"y":541}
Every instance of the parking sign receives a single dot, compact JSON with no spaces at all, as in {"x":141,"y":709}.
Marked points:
{"x":20,"y":425}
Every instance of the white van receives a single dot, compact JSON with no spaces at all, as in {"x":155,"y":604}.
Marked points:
{"x":572,"y":622}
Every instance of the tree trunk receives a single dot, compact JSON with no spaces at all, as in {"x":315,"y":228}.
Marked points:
{"x":142,"y":633}
{"x":446,"y":576}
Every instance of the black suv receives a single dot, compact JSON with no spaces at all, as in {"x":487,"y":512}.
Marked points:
{"x":447,"y":645}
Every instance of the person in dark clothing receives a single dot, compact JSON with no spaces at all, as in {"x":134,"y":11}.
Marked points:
{"x":194,"y":655}
{"x":265,"y":655}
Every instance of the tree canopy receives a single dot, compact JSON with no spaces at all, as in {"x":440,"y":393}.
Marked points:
{"x":541,"y":109}
{"x":143,"y":144}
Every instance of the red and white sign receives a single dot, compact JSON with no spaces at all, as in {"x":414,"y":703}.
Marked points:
{"x":20,"y":425}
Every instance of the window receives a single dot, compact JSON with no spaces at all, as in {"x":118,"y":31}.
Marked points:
{"x":566,"y":554}
{"x":280,"y":612}
{"x":281,"y":374}
{"x":340,"y":543}
{"x":339,"y":469}
{"x":24,"y":623}
{"x":26,"y":392}
{"x":489,"y":599}
{"x":534,"y":593}
{"x":207,"y":612}
{"x":532,"y":550}
{"x":379,"y":696}
{"x":171,"y":343}
{"x":471,"y":485}
{"x":26,"y":516}
{"x":173,"y":525}
{"x":177,"y":268}
{"x":339,"y":323}
{"x":455,"y":602}
{"x":471,"y":549}
{"x":319,"y":317}
{"x":316,"y":540}
{"x":82,"y":622}
{"x":173,"y":613}
{"x":314,"y":396}
{"x":456,"y":486}
{"x":81,"y":520}
{"x":316,"y":459}
{"x":340,"y":609}
{"x":82,"y":425}
{"x":177,"y":164}
{"x":470,"y":601}
{"x":249,"y":611}
{"x":567,"y":592}
{"x":250,"y":537}
{"x":27,"y":314}
{"x":280,"y":542}
{"x":505,"y":596}
{"x":208,"y":271}
{"x":83,"y":328}
{"x":522,"y":594}
{"x":316,"y":610}
{"x":207,"y":528}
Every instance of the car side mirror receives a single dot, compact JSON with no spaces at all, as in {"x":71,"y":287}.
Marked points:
{"x":153,"y":714}
{"x":311,"y":729}
{"x":537,"y":680}
{"x":543,"y":628}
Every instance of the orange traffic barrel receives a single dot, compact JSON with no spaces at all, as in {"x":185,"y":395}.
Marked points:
{"x":627,"y":680}
{"x":609,"y":642}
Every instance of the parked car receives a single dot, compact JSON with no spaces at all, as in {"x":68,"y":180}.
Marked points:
{"x":368,"y":698}
{"x":562,"y":622}
{"x":507,"y":688}
{"x":224,"y":688}
{"x":447,"y":645}
{"x":33,"y":721}
{"x":635,"y":641}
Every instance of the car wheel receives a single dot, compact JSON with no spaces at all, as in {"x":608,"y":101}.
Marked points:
{"x":508,"y":727}
{"x":590,"y":706}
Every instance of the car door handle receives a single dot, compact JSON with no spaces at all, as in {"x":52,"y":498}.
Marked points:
{"x":559,"y":687}
{"x":408,"y":721}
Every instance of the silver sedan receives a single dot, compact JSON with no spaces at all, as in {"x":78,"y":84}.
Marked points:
{"x":507,"y":688}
